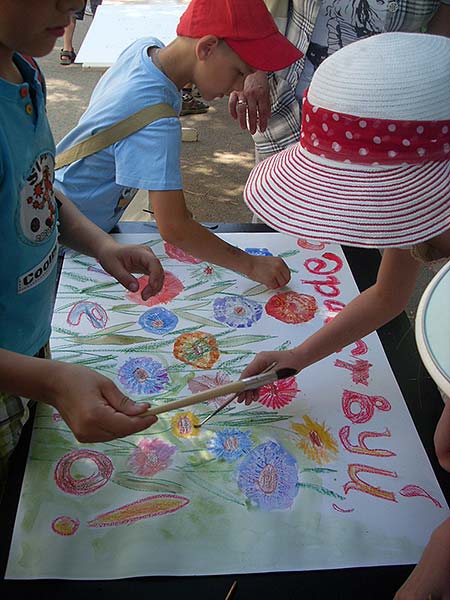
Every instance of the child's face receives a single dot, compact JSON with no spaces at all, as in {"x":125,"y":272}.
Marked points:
{"x":219,"y":69}
{"x":31,"y":26}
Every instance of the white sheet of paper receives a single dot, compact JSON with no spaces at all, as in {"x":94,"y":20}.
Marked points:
{"x":115,"y":27}
{"x":326,"y":471}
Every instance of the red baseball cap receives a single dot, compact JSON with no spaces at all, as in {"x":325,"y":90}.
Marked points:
{"x":246,"y":26}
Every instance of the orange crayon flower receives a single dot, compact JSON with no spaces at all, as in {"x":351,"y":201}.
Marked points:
{"x":316,"y":440}
{"x":197,"y":349}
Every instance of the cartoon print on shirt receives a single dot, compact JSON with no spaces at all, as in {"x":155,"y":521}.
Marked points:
{"x":37,"y":203}
{"x":343,"y":22}
{"x":350,"y":21}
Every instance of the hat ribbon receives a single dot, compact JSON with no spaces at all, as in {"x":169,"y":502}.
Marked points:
{"x":368,"y":141}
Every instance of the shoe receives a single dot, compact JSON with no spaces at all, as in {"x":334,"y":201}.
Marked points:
{"x":191,"y":106}
{"x":66,"y":57}
{"x":88,"y":11}
{"x":195,"y":92}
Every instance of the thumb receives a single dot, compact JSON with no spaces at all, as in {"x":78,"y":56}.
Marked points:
{"x":124,"y":277}
{"x":122,"y":403}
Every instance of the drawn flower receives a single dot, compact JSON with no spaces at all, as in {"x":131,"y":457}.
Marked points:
{"x":206,"y":382}
{"x":143,"y":376}
{"x":183,"y":424}
{"x":95,"y":314}
{"x":268,"y":477}
{"x":230,"y":444}
{"x":278,"y":394}
{"x":197,"y":349}
{"x":74,"y":472}
{"x":316,"y":440}
{"x":237,"y":311}
{"x":172,"y":286}
{"x":179,"y":254}
{"x":158,"y":320}
{"x":151,"y":457}
{"x":259,"y":251}
{"x":64,"y":525}
{"x":291,"y":307}
{"x":206,"y":273}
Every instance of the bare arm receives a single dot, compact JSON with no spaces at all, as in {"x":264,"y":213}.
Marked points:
{"x":367,"y":312}
{"x":177,"y":227}
{"x":121,"y":261}
{"x":92,"y":406}
{"x":440,"y":23}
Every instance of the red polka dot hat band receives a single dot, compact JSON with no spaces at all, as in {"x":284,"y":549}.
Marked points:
{"x":372,"y":168}
{"x":367,"y":141}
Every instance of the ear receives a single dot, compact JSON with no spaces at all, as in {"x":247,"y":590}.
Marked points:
{"x":206,"y":46}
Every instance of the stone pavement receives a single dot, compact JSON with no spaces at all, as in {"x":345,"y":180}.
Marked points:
{"x":214,"y":169}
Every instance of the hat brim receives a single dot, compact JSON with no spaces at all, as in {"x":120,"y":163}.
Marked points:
{"x":385,"y":207}
{"x":272,"y":53}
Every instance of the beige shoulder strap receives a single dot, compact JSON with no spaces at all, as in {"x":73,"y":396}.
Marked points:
{"x":114,"y":133}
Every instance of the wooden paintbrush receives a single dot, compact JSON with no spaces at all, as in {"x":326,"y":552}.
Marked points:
{"x":235,"y":387}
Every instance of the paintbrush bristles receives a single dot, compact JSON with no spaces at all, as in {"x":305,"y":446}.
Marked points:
{"x":286,"y":372}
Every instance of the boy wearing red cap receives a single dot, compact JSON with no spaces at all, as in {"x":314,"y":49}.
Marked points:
{"x":219,"y":43}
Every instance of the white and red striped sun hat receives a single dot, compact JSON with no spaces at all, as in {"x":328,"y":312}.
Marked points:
{"x":372,"y":167}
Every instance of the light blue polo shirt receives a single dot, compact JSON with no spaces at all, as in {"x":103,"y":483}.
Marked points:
{"x":102,"y":184}
{"x":28,"y":224}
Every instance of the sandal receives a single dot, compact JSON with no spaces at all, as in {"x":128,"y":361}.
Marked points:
{"x":191,"y":106}
{"x":66,"y":57}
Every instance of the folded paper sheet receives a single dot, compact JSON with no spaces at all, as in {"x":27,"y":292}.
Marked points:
{"x":325,"y":471}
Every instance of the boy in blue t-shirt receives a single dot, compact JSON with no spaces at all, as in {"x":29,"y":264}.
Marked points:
{"x":219,"y":43}
{"x":93,"y":407}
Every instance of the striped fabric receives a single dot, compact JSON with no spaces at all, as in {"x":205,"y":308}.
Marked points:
{"x":394,"y":208}
{"x":284,"y":125}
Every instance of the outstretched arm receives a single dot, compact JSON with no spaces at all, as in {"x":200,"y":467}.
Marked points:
{"x":176,"y":226}
{"x":367,"y":312}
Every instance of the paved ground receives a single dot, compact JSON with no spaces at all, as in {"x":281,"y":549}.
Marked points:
{"x":214,"y":169}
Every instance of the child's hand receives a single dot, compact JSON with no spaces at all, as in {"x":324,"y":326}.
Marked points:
{"x":93,"y":407}
{"x":283,"y":358}
{"x":271,"y":271}
{"x":122,"y":260}
{"x":431,"y":577}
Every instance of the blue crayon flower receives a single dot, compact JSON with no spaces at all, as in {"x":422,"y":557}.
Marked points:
{"x":259,"y":251}
{"x":268,"y":477}
{"x":237,"y":311}
{"x":230,"y":444}
{"x":158,"y":320}
{"x":143,"y":376}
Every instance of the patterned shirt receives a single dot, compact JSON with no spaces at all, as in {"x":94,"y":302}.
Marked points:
{"x":346,"y":21}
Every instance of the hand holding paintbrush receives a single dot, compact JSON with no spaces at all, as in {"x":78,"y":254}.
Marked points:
{"x":235,"y":387}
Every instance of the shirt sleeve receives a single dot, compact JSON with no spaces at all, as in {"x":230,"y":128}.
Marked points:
{"x":150,"y":158}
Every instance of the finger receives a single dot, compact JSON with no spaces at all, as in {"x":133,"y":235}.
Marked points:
{"x":242,"y":112}
{"x":154,"y":284}
{"x":264,"y":114}
{"x":232,"y":104}
{"x":116,"y":424}
{"x":252,"y":115}
{"x":123,"y":276}
{"x":120,"y":402}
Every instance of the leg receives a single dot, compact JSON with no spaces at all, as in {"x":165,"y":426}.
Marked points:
{"x":67,"y":55}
